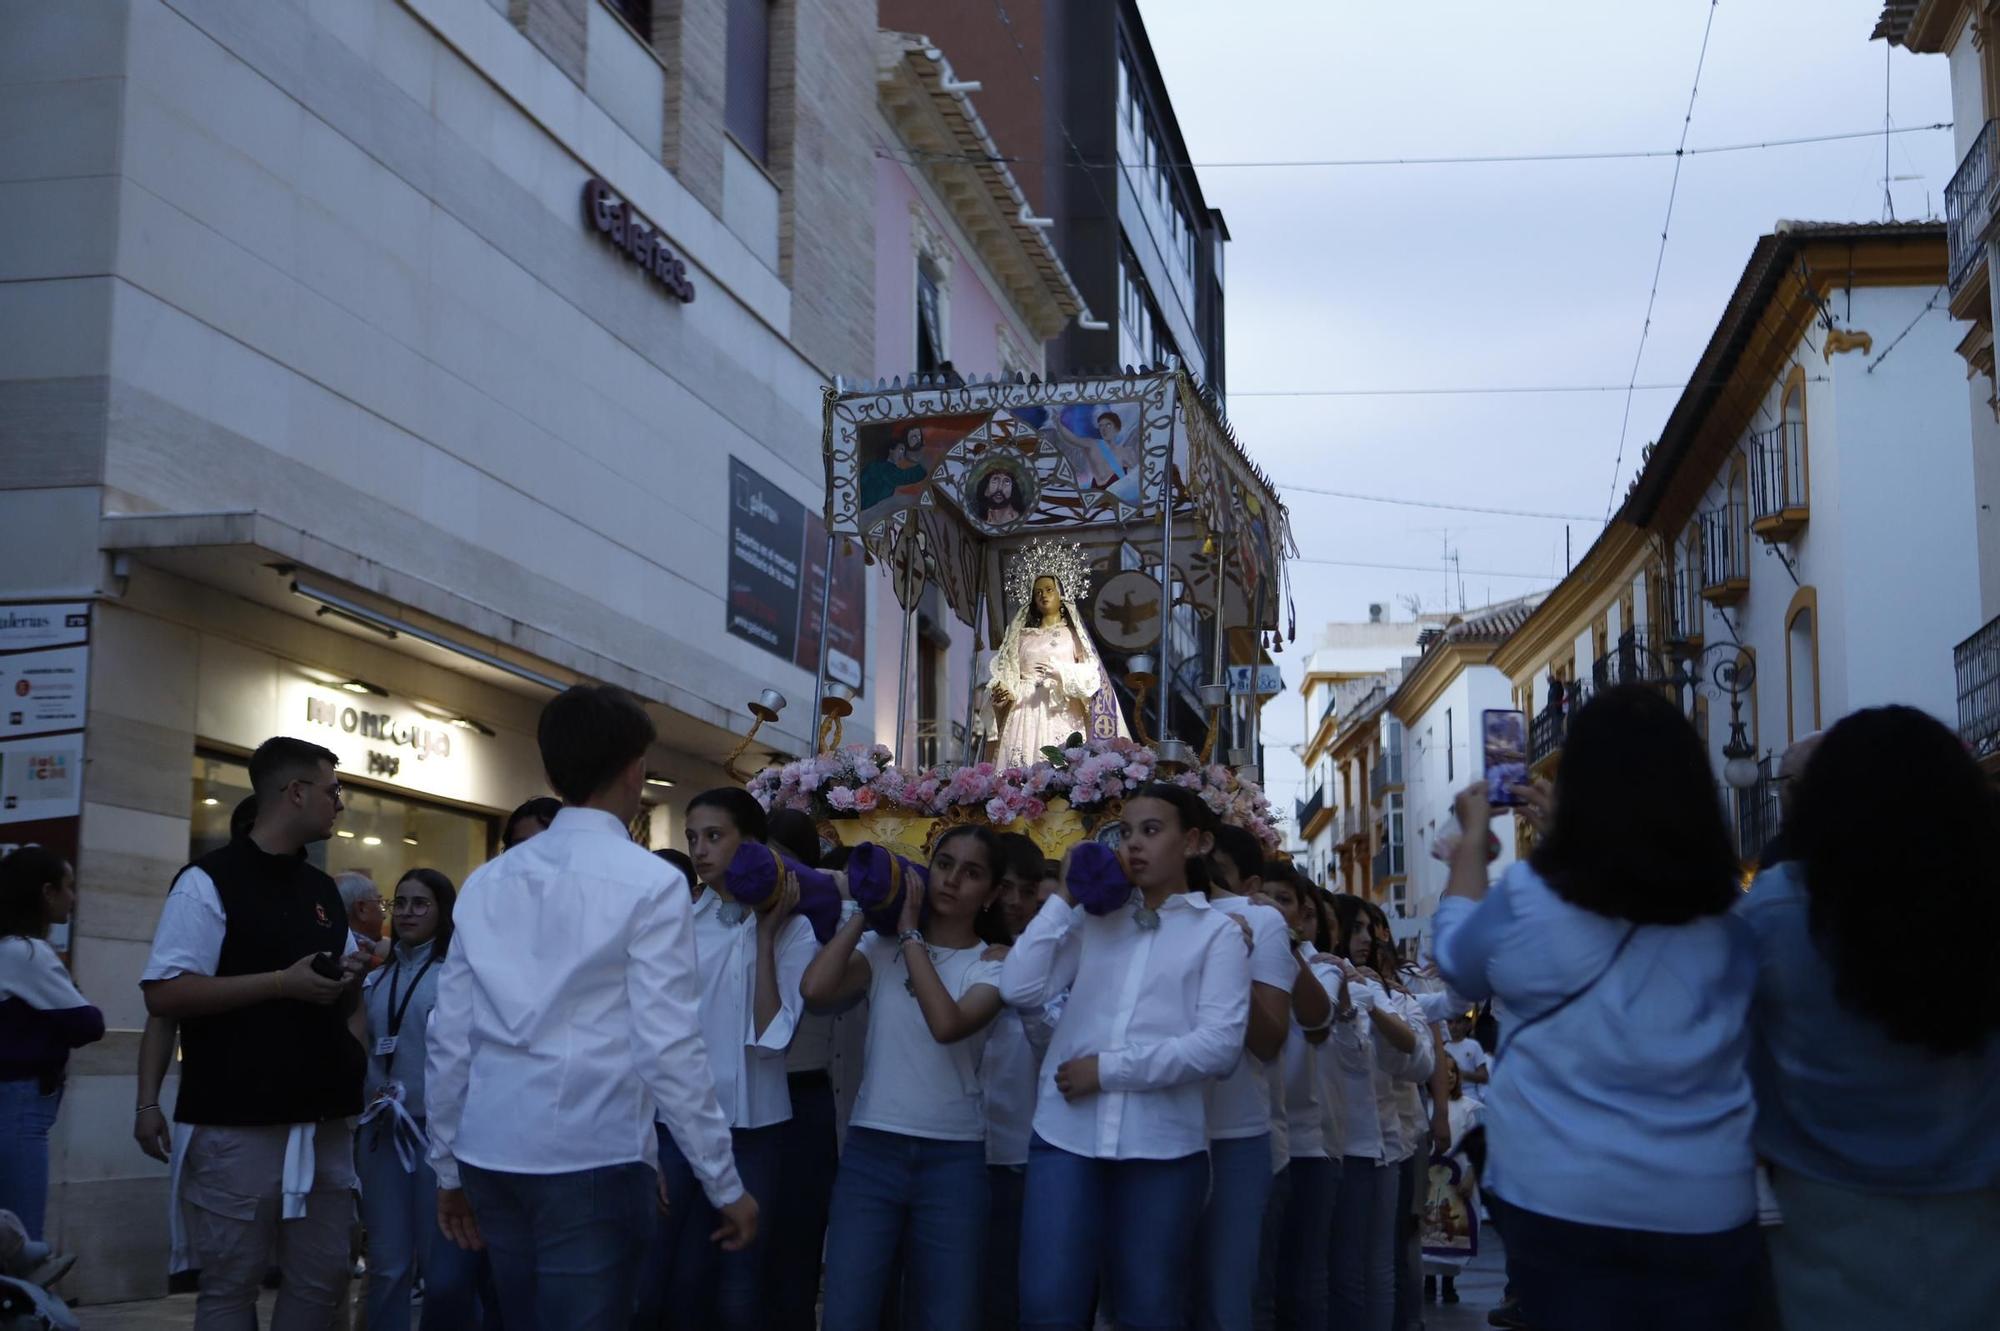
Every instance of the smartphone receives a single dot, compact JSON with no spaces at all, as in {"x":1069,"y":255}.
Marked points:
{"x":1505,"y":736}
{"x":325,"y":963}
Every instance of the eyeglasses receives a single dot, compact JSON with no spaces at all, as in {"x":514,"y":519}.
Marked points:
{"x":334,"y":790}
{"x":413,"y":905}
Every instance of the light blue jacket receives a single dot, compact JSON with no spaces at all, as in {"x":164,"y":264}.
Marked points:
{"x":1837,"y":1098}
{"x":406,"y":1065}
{"x":1630,"y":1107}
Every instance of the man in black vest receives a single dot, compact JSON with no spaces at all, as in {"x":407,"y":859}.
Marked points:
{"x":271,"y":1065}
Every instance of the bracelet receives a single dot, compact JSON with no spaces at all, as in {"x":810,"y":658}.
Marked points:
{"x":143,"y":1108}
{"x":278,"y":978}
{"x":910,"y":936}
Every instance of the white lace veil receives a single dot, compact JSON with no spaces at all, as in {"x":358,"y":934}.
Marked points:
{"x":1066,"y":565}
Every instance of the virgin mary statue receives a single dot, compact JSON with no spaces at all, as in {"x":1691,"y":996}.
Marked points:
{"x":1047,"y":682}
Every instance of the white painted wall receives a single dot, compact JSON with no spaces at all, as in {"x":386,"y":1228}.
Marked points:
{"x":1968,"y":104}
{"x":1431,"y":782}
{"x":1893,"y":544}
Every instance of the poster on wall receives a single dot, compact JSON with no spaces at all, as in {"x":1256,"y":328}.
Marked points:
{"x":777,"y":558}
{"x":44,"y":679}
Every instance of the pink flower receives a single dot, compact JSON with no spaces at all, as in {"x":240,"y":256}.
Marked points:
{"x":999,"y":811}
{"x":1084,"y":793}
{"x":840,"y":798}
{"x":865,"y":800}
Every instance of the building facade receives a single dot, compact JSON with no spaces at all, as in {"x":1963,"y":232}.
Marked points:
{"x":1348,"y":675}
{"x":1437,"y":712}
{"x":1962,"y":31}
{"x":1802,"y":540}
{"x":965,"y":284}
{"x":1074,"y":100}
{"x":369,"y":370}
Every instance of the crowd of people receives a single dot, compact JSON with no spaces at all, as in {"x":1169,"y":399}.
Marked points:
{"x":768,"y":1082}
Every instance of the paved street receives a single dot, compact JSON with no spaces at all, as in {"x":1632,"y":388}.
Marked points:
{"x":1479,"y":1289}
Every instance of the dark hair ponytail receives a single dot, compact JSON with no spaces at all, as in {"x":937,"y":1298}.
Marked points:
{"x":1194,"y":815}
{"x":741,"y":806}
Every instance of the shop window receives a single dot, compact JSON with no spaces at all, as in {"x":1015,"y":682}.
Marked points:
{"x":930,"y":319}
{"x":1802,"y":664}
{"x":638,"y":14}
{"x":747,"y":95}
{"x":383,"y":833}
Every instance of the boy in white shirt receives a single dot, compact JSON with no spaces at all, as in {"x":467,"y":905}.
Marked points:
{"x":566,"y":1018}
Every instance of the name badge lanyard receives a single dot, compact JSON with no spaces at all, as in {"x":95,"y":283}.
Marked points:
{"x":385,"y":1047}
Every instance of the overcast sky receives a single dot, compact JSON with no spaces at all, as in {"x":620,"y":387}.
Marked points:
{"x":1501,"y":275}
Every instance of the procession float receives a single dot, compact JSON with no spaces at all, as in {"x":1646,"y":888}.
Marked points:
{"x":1088,"y":530}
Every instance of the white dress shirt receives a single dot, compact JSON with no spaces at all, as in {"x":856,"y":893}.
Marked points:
{"x":1008,"y":1073}
{"x":1468,"y":1053}
{"x":1346,"y":1041}
{"x":1241,"y":1104}
{"x":911,"y":1084}
{"x":1163,"y":1009}
{"x":1397,"y":1076}
{"x":1351,"y":1074}
{"x":1304,"y":1105}
{"x":749,"y":1068}
{"x":568,"y":1015}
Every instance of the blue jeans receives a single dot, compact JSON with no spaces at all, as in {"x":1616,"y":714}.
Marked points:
{"x":1003,"y":1246}
{"x":1303,"y":1243}
{"x":1361,"y":1275}
{"x":925,"y":1196}
{"x":1232,"y":1232}
{"x":26,"y":1115}
{"x":808,"y":1153}
{"x":399,"y":1213}
{"x":1133,"y":1221}
{"x":1577,"y":1277}
{"x":1264,"y":1309}
{"x":565,"y":1248}
{"x":687,"y":1280}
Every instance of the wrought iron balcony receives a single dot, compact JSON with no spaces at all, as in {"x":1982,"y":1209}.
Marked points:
{"x":1978,"y":662}
{"x":1351,"y":825}
{"x":1681,"y":620}
{"x":1634,"y":659}
{"x":1757,"y":814}
{"x":1725,"y":564}
{"x":1547,"y":728}
{"x":1388,"y":862}
{"x":1778,"y":500}
{"x":1309,"y":808}
{"x":1385,"y":773}
{"x":1968,"y":204}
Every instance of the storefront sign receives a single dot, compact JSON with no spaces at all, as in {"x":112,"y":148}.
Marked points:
{"x":613,"y":217}
{"x":371,"y":739}
{"x":44,"y":697}
{"x":777,"y":558}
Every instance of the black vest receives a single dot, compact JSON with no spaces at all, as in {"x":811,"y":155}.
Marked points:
{"x":281,"y":1060}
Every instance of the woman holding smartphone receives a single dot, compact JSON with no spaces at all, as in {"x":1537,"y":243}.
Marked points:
{"x":1159,"y":998}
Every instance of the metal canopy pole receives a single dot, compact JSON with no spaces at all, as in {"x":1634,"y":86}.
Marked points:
{"x":969,"y":750}
{"x":903,"y":664}
{"x":1166,"y":588}
{"x":825,"y":636}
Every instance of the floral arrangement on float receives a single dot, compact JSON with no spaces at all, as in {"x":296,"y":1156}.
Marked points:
{"x":857,"y":794}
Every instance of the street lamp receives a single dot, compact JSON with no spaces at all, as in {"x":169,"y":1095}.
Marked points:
{"x":1739,"y":767}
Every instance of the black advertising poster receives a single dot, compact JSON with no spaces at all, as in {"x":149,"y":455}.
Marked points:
{"x":776,"y":549}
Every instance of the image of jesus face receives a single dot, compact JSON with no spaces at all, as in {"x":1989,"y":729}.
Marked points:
{"x":1000,"y":490}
